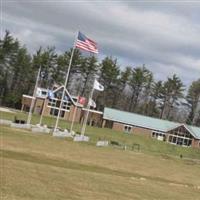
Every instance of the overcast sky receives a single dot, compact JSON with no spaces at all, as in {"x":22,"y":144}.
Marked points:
{"x":163,"y":36}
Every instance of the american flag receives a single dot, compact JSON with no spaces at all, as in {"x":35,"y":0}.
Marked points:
{"x":86,"y":44}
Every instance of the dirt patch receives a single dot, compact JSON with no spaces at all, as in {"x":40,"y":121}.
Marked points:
{"x":192,"y":162}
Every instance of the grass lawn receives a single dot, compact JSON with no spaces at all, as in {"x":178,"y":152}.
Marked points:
{"x":39,"y":166}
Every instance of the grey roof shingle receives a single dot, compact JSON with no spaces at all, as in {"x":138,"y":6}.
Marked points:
{"x":146,"y":122}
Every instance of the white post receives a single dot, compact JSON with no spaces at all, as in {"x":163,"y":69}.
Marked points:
{"x":87,"y":113}
{"x":65,"y":84}
{"x":41,"y":117}
{"x":73,"y":118}
{"x":34,"y":97}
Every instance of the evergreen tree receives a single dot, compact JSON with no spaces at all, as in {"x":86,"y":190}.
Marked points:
{"x":88,"y":70}
{"x":193,"y":99}
{"x":109,"y":74}
{"x":131,"y":89}
{"x":76,"y":66}
{"x":47,"y":60}
{"x":124,"y":78}
{"x":146,"y":94}
{"x":156,"y":96}
{"x":138,"y":81}
{"x":8,"y":51}
{"x":172,"y":91}
{"x":15,"y":71}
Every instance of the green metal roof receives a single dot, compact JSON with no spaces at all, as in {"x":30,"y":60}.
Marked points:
{"x":146,"y":122}
{"x":195,"y":131}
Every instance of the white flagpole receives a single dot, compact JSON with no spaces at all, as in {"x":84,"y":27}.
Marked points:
{"x":87,"y":113}
{"x":65,"y":84}
{"x":34,"y":97}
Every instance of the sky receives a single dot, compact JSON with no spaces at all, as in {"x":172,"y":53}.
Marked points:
{"x":165,"y":36}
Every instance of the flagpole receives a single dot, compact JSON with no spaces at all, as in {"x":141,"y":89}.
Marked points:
{"x":65,"y":84}
{"x":87,"y":113}
{"x":34,"y":97}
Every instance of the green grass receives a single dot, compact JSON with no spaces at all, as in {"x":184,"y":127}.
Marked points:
{"x":147,"y":144}
{"x":39,"y":166}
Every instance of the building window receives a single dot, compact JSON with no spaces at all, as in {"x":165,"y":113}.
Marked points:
{"x":54,"y":112}
{"x":127,"y":128}
{"x":55,"y":103}
{"x":180,"y":136}
{"x":44,"y":93}
{"x":158,"y":135}
{"x":177,"y":140}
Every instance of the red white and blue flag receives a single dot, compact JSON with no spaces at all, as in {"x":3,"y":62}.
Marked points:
{"x":82,"y":100}
{"x":86,"y":44}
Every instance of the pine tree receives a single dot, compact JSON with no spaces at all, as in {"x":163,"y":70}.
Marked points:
{"x":109,"y":74}
{"x":138,"y":81}
{"x":193,"y":99}
{"x":172,"y":91}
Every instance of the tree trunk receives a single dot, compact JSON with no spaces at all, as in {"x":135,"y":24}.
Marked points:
{"x":130,"y":105}
{"x":163,"y":108}
{"x":84,"y":85}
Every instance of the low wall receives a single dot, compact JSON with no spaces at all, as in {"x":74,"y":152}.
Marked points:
{"x":5,"y":122}
{"x":15,"y":125}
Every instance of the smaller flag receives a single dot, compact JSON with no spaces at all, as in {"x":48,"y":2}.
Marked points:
{"x":98,"y":86}
{"x":50,"y":94}
{"x":66,"y":98}
{"x":92,"y":103}
{"x":81,"y":100}
{"x":86,"y":44}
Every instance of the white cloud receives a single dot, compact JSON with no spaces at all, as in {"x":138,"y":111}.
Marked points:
{"x":164,"y":37}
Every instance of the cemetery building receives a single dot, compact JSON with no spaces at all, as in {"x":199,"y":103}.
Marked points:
{"x":47,"y":103}
{"x":171,"y":132}
{"x":94,"y":117}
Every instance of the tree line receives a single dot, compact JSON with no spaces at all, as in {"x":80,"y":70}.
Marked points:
{"x":132,"y":89}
